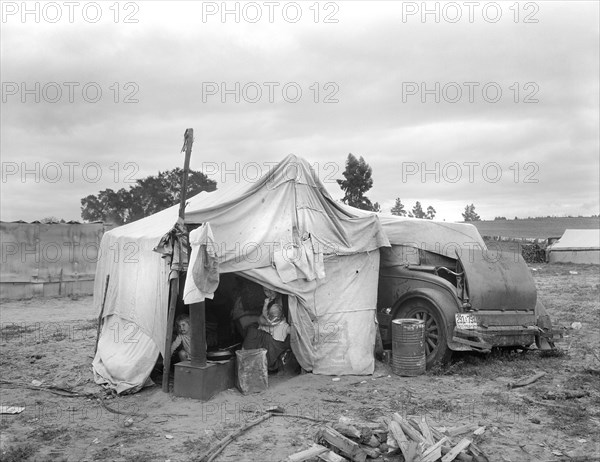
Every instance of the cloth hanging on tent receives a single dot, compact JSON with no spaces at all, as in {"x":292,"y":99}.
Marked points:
{"x":173,"y":246}
{"x":202,"y":281}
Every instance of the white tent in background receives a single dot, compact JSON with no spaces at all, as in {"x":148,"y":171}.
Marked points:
{"x":331,"y":282}
{"x":576,"y":246}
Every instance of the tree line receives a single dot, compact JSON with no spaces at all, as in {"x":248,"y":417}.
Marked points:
{"x":358,"y":180}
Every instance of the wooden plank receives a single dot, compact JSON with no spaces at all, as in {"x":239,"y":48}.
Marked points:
{"x":456,"y":450}
{"x":309,"y":453}
{"x":425,"y":430}
{"x":346,"y":445}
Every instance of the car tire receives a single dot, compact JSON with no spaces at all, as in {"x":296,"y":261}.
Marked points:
{"x":436,"y":339}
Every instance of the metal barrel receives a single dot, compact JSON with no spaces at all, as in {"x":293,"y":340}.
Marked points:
{"x":408,"y":347}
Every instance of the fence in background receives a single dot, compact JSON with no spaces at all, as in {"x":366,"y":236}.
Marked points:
{"x":48,"y":260}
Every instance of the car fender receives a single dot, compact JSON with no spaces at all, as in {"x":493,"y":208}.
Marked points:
{"x":443,"y":301}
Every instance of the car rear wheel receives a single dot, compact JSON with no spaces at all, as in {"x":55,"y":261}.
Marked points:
{"x":436,"y":342}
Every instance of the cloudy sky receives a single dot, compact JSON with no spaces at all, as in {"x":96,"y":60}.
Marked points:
{"x":490,"y":103}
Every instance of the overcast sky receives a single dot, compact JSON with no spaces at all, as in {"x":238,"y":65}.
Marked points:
{"x":495,"y":104}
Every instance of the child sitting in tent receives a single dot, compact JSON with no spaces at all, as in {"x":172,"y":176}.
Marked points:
{"x":181,"y":344}
{"x":272,"y":332}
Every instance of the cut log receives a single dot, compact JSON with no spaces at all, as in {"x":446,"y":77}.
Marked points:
{"x":365,"y":434}
{"x":479,"y":431}
{"x":391,"y":443}
{"x":480,"y":456}
{"x":372,"y":453}
{"x":331,"y":456}
{"x":434,"y":452}
{"x":412,"y":452}
{"x":409,"y":430}
{"x":373,"y":442}
{"x":525,"y":382}
{"x":410,"y":449}
{"x":453,"y":431}
{"x":347,"y":430}
{"x":348,"y":447}
{"x":456,"y":450}
{"x":309,"y":453}
{"x":395,"y":430}
{"x":426,"y":431}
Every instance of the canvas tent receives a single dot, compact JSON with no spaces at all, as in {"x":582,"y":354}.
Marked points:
{"x":330,"y":279}
{"x":444,"y":238}
{"x":576,"y":246}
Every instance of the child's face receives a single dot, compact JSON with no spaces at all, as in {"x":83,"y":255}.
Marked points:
{"x":270,"y":294}
{"x":275,"y":313}
{"x":184,"y":327}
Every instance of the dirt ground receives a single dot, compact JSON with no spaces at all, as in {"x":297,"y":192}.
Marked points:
{"x":556,"y":418}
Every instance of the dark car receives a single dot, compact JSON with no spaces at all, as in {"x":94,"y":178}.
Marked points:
{"x":470,"y":297}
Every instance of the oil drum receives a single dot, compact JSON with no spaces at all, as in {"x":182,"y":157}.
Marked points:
{"x":408,"y":347}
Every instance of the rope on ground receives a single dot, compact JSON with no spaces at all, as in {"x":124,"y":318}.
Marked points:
{"x":72,"y":394}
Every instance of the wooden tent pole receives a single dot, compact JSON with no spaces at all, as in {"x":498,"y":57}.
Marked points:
{"x":173,"y":292}
{"x":188,"y":140}
{"x":101,"y":313}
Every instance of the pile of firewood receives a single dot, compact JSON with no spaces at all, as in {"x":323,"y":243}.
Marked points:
{"x":393,"y":439}
{"x":533,"y":253}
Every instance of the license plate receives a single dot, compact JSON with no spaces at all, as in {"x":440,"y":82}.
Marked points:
{"x":466,"y":321}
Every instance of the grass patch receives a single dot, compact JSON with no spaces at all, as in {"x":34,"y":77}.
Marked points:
{"x":48,"y":434}
{"x":15,"y":331}
{"x":17,"y":454}
{"x":573,"y":420}
{"x":500,"y":362}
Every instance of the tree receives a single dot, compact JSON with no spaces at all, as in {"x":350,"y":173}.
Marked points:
{"x":376,"y":207}
{"x":430,"y":213}
{"x":357,"y":182}
{"x":147,"y":196}
{"x":398,"y":208}
{"x":110,"y":206}
{"x":417,"y":211}
{"x":469,"y":214}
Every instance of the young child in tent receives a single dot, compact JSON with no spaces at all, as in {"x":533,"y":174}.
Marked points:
{"x":272,"y":332}
{"x":181,"y":344}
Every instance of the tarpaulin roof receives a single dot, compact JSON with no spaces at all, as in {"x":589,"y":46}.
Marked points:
{"x":435,"y":236}
{"x":332,"y":284}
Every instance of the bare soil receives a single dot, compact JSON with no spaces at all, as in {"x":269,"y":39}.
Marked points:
{"x":52,"y":341}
